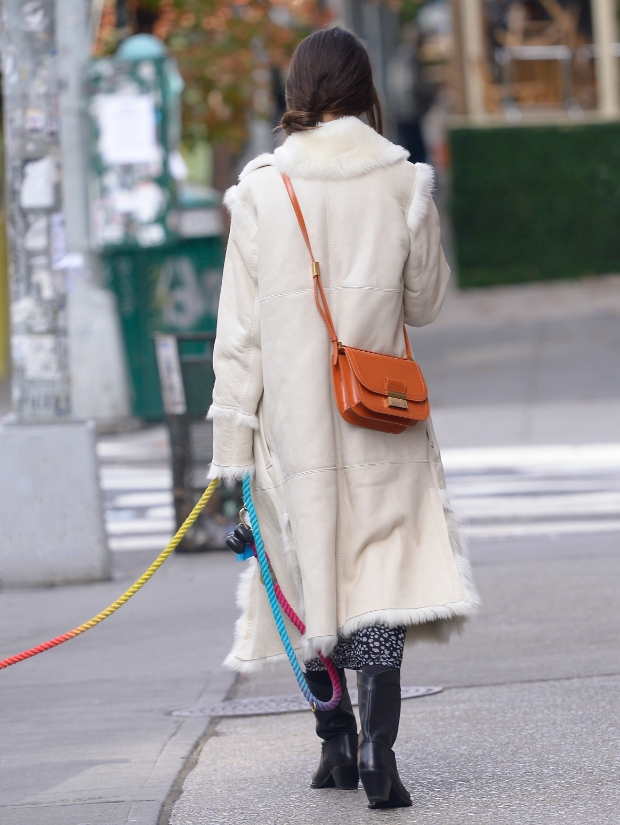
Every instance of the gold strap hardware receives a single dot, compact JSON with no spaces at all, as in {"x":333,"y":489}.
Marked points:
{"x":397,"y":399}
{"x":316,"y":269}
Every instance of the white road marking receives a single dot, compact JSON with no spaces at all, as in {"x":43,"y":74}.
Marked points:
{"x":501,"y":492}
{"x":124,"y":544}
{"x":140,"y":526}
{"x":548,"y":490}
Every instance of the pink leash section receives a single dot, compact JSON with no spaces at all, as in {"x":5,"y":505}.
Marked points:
{"x":290,"y":613}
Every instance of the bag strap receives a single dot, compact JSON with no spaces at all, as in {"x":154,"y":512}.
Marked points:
{"x":319,"y":292}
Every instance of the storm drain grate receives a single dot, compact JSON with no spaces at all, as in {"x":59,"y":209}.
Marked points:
{"x":265,"y":705}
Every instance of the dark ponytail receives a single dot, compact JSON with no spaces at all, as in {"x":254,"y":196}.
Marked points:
{"x":330,"y":74}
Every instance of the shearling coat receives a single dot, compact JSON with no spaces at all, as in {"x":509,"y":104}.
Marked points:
{"x":355,"y":521}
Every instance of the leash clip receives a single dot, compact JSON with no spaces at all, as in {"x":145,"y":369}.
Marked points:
{"x":244,"y":517}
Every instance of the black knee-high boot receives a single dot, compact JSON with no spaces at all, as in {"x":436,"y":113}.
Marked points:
{"x":338,"y":730}
{"x":379,"y":706}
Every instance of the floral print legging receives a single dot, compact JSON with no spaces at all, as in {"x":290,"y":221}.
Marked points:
{"x":374,"y":645}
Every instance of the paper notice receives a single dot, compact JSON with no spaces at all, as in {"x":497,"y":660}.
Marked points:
{"x":22,"y":310}
{"x":107,"y":222}
{"x":35,"y":239}
{"x":33,"y":17}
{"x":145,"y":201}
{"x":37,"y":190}
{"x":42,"y":278}
{"x":127,"y":127}
{"x":58,"y":240}
{"x":170,"y":375}
{"x":177,"y":166}
{"x":38,"y":356}
{"x":153,"y":234}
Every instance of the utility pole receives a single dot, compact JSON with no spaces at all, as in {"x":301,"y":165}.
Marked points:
{"x":50,"y":508}
{"x":35,"y":222}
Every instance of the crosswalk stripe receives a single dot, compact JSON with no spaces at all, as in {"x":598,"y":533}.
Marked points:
{"x":500,"y":492}
{"x":504,"y":492}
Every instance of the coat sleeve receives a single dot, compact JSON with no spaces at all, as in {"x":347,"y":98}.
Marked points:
{"x":426,"y":273}
{"x":237,"y":353}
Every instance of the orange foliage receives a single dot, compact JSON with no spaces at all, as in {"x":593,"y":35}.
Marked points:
{"x":220,"y":45}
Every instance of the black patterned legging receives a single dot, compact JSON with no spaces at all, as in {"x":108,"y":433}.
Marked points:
{"x":374,"y":645}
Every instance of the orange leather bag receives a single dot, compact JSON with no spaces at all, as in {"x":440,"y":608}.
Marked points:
{"x":379,"y":392}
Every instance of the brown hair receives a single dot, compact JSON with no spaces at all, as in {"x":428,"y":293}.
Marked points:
{"x":330,"y":74}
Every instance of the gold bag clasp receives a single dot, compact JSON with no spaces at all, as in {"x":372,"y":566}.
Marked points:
{"x":397,"y":399}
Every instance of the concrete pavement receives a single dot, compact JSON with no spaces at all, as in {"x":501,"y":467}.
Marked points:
{"x":87,"y":735}
{"x":525,"y":733}
{"x":525,"y":364}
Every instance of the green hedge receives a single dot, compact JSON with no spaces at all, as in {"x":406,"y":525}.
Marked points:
{"x":532,"y":203}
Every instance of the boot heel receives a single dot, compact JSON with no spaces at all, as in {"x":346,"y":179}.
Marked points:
{"x":346,"y":777}
{"x":377,"y":785}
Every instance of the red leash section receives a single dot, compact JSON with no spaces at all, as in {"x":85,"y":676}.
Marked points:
{"x":176,"y":539}
{"x":26,"y":654}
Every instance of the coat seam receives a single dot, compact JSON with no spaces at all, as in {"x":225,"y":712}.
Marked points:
{"x":335,"y":423}
{"x":249,"y":348}
{"x":357,"y":467}
{"x":348,"y":467}
{"x":330,"y":289}
{"x":435,"y":528}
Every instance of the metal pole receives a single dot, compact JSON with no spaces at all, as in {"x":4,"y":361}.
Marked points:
{"x":457,"y":79}
{"x":50,"y":507}
{"x":474,"y":56}
{"x":35,"y":221}
{"x":605,"y":36}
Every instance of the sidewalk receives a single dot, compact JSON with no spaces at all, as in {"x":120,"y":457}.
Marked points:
{"x":524,"y":731}
{"x":525,"y":364}
{"x":87,"y":735}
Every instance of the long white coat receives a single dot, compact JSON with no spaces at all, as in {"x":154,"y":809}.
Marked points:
{"x":356,"y":522}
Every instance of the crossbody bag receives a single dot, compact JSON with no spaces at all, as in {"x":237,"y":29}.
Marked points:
{"x":375,"y":391}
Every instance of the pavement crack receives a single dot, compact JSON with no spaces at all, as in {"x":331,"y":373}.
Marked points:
{"x":192,"y":760}
{"x":531,"y":681}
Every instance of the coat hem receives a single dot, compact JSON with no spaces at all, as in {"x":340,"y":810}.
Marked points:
{"x":244,"y":586}
{"x":230,"y":473}
{"x":317,"y":644}
{"x":409,"y":617}
{"x":229,"y":413}
{"x":233,"y":662}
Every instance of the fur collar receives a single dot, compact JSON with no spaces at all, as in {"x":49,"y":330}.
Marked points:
{"x":343,"y":148}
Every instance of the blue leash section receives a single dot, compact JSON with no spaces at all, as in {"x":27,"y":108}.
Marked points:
{"x":273,"y":602}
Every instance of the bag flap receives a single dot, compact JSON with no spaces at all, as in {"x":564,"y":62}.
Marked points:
{"x":379,"y":373}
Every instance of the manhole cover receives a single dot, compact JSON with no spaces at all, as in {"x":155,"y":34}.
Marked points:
{"x":265,"y":705}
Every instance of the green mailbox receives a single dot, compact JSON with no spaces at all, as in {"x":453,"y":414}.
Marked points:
{"x":159,"y":238}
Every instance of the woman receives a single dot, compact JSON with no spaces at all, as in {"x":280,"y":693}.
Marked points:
{"x":355,"y":521}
